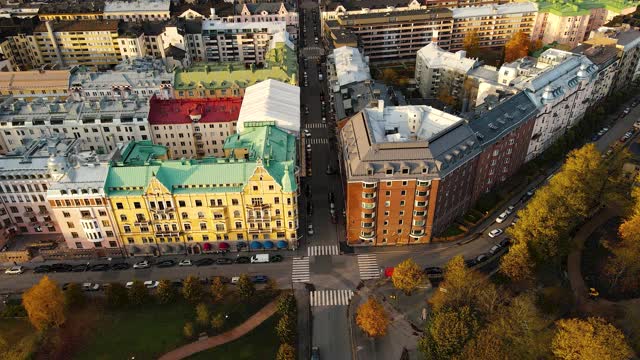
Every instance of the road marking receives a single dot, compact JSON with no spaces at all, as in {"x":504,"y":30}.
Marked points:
{"x":330,"y":297}
{"x":319,"y":250}
{"x":368,"y":266}
{"x":317,"y":141}
{"x":316,"y":126}
{"x":300,"y":270}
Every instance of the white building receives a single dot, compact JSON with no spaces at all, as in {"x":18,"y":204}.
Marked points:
{"x":99,"y":125}
{"x":271,"y":101}
{"x":137,"y":78}
{"x":137,"y":10}
{"x":350,"y":66}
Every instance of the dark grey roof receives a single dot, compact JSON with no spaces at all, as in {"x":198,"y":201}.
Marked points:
{"x":69,"y":7}
{"x":600,"y":55}
{"x":175,"y":52}
{"x":504,"y":117}
{"x":626,"y":37}
{"x":193,"y":26}
{"x":203,"y":7}
{"x":359,"y":4}
{"x":438,"y":13}
{"x":271,"y":8}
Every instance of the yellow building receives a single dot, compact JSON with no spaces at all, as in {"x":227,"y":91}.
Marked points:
{"x":33,"y":84}
{"x":77,"y":10}
{"x":247,"y":199}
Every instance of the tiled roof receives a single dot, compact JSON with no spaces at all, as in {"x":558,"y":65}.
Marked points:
{"x":30,"y":80}
{"x":183,"y":111}
{"x":80,"y":25}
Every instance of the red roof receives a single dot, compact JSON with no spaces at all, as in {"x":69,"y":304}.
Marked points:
{"x":185,"y":111}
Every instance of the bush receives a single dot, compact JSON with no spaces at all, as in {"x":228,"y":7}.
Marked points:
{"x":217,"y":322}
{"x":73,"y":296}
{"x":202,"y":314}
{"x":13,"y":311}
{"x":192,"y":290}
{"x":138,"y":293}
{"x":555,"y":300}
{"x":116,"y":295}
{"x":188,"y":330}
{"x":165,"y":293}
{"x":287,"y":304}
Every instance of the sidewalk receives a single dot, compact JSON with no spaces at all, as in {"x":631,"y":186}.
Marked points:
{"x":231,"y":335}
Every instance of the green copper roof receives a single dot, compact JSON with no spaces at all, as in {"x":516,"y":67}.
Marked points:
{"x":280,"y":64}
{"x":583,"y":7}
{"x":213,"y":174}
{"x":139,"y":152}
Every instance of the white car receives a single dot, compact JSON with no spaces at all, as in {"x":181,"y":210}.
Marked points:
{"x":151,"y":284}
{"x":235,"y":279}
{"x":495,"y":233}
{"x":90,"y":286}
{"x":324,"y":119}
{"x":511,"y":209}
{"x":502,"y":217}
{"x":310,"y":229}
{"x":306,"y":133}
{"x":308,"y":147}
{"x":129,"y":284}
{"x":14,"y":270}
{"x":185,"y":262}
{"x":141,"y":265}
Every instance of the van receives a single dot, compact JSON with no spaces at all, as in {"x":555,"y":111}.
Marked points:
{"x":320,"y":76}
{"x":260,"y":258}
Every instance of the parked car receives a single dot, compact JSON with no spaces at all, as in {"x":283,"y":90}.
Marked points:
{"x":99,"y":267}
{"x":260,"y":258}
{"x":275,"y":258}
{"x":90,"y":286}
{"x":626,"y":111}
{"x":223,"y":279}
{"x":120,"y":266}
{"x":470,"y":263}
{"x":511,"y":209}
{"x":259,"y":279}
{"x":242,"y":260}
{"x":142,"y":265}
{"x":185,"y":262}
{"x":502,"y":217}
{"x":481,"y":258}
{"x":310,"y":229}
{"x":494,"y":249}
{"x":176,"y":283}
{"x":306,"y":133}
{"x":495,"y":233}
{"x":65,"y":286}
{"x":204,"y":262}
{"x":59,"y":267}
{"x":433,"y":271}
{"x":235,"y":279}
{"x":151,"y":284}
{"x":165,"y":263}
{"x":224,"y":261}
{"x":41,"y":269}
{"x":129,"y":284}
{"x":80,"y":268}
{"x":315,"y":353}
{"x":14,"y":270}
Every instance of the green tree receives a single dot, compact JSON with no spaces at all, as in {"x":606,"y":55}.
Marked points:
{"x":74,"y":296}
{"x":407,"y":276}
{"x":44,"y":303}
{"x":471,"y":43}
{"x":286,"y":352}
{"x":372,"y":318}
{"x":188,"y":330}
{"x":447,"y":332}
{"x":217,"y":322}
{"x":166,"y":293}
{"x":116,"y":295}
{"x":589,"y":339}
{"x":218,"y":290}
{"x":287,"y":304}
{"x":286,"y":329}
{"x":192,"y":290}
{"x":246,"y":289}
{"x":203,"y":315}
{"x":138,"y":293}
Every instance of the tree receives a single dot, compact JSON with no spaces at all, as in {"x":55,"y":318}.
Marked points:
{"x":246,"y":289}
{"x":203,"y":316}
{"x":407,"y":276}
{"x":218,"y":290}
{"x":116,"y":295}
{"x":271,"y":286}
{"x":192,"y":290}
{"x":517,"y":264}
{"x":287,"y":304}
{"x":286,"y":329}
{"x":448,"y":331}
{"x":471,"y":43}
{"x":217,"y":322}
{"x":188,"y":330}
{"x":138,"y":293}
{"x":372,"y":318}
{"x":286,"y":352}
{"x":590,"y":339}
{"x":73,"y":296}
{"x":165,"y":292}
{"x":517,"y":47}
{"x":44,"y":304}
{"x":485,"y":346}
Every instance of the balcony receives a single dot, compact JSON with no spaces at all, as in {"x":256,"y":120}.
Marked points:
{"x":261,"y":206}
{"x":259,"y":229}
{"x":418,"y":222}
{"x":259,"y":219}
{"x":367,"y":235}
{"x":416,"y":233}
{"x":369,"y":195}
{"x":420,"y":204}
{"x":162,"y":211}
{"x":197,"y":136}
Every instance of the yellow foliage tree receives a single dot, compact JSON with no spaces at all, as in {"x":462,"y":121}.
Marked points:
{"x":44,"y":304}
{"x":590,"y":339}
{"x":407,"y":276}
{"x":517,"y":263}
{"x":372,"y":318}
{"x":471,"y":43}
{"x":517,"y":47}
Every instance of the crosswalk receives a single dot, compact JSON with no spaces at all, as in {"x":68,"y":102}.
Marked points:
{"x":316,"y":126}
{"x":317,"y":141}
{"x":368,"y":266}
{"x":319,"y":250}
{"x":300,"y":271}
{"x":330,"y":297}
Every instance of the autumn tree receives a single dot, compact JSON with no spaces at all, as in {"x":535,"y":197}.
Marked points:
{"x":517,"y":47}
{"x":189,"y":330}
{"x":74,"y":296}
{"x":286,"y":329}
{"x":166,"y":293}
{"x":44,"y":304}
{"x":486,"y":346}
{"x":517,"y":264}
{"x":218,"y":290}
{"x":246,"y":289}
{"x":471,"y":43}
{"x":407,"y":276}
{"x":217,"y":322}
{"x":287,"y":304}
{"x":192,"y":290}
{"x":203,"y":316}
{"x":116,"y":295}
{"x":286,"y":352}
{"x":372,"y":318}
{"x":447,"y":332}
{"x":138,"y":293}
{"x":589,"y":339}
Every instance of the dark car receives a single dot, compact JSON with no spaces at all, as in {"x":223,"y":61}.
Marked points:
{"x":165,"y":263}
{"x":120,"y":266}
{"x":204,"y":262}
{"x":315,"y":353}
{"x":65,"y":286}
{"x":224,"y":261}
{"x":80,"y":268}
{"x":505,"y":242}
{"x":259,"y":279}
{"x":223,"y":279}
{"x":433,"y":271}
{"x":99,"y":267}
{"x":470,"y":263}
{"x":242,"y":260}
{"x":176,"y":283}
{"x":42,"y":269}
{"x":61,"y":267}
{"x":221,"y":251}
{"x":275,"y":258}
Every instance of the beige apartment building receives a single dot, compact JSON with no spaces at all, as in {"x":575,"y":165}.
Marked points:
{"x":35,"y":84}
{"x":137,"y":10}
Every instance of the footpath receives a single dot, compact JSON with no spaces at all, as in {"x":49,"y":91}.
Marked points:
{"x":231,"y":335}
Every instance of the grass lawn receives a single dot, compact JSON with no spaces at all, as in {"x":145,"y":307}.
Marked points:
{"x":20,"y":336}
{"x":239,"y":311}
{"x":261,"y":343}
{"x":452,"y":230}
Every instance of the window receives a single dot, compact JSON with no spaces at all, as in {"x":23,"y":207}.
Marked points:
{"x":78,"y":245}
{"x":403,"y":192}
{"x":198,"y":202}
{"x":181,"y":203}
{"x":136,"y":205}
{"x":238,"y":225}
{"x":74,"y":235}
{"x":123,"y":217}
{"x":400,"y":222}
{"x":127,"y":228}
{"x":402,"y":202}
{"x":66,"y":214}
{"x":387,"y":203}
{"x":119,"y":206}
{"x":187,"y":227}
{"x":203,"y":226}
{"x":234,"y":201}
{"x":219,"y":227}
{"x":387,"y":193}
{"x":70,"y":225}
{"x":255,"y":188}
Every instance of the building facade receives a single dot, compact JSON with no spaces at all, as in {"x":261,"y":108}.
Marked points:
{"x":627,"y":41}
{"x":137,"y":10}
{"x":30,"y":85}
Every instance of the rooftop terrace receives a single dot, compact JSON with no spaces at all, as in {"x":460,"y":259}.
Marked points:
{"x":583,"y":7}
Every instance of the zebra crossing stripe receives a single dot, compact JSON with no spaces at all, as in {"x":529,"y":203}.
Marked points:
{"x":368,"y":266}
{"x":319,"y":250}
{"x":300,"y":270}
{"x":330,"y":297}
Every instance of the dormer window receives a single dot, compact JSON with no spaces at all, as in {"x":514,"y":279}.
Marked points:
{"x":389,"y":171}
{"x":424,"y":170}
{"x":369,"y":171}
{"x":405,"y":170}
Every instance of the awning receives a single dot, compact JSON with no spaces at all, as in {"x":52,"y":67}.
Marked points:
{"x":166,"y":248}
{"x":206,"y":246}
{"x":282,"y":244}
{"x":256,"y":245}
{"x":134,"y":249}
{"x":268,"y":244}
{"x":223,"y":246}
{"x":241,"y":244}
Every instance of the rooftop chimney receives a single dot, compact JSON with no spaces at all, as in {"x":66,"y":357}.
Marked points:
{"x":434,"y":37}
